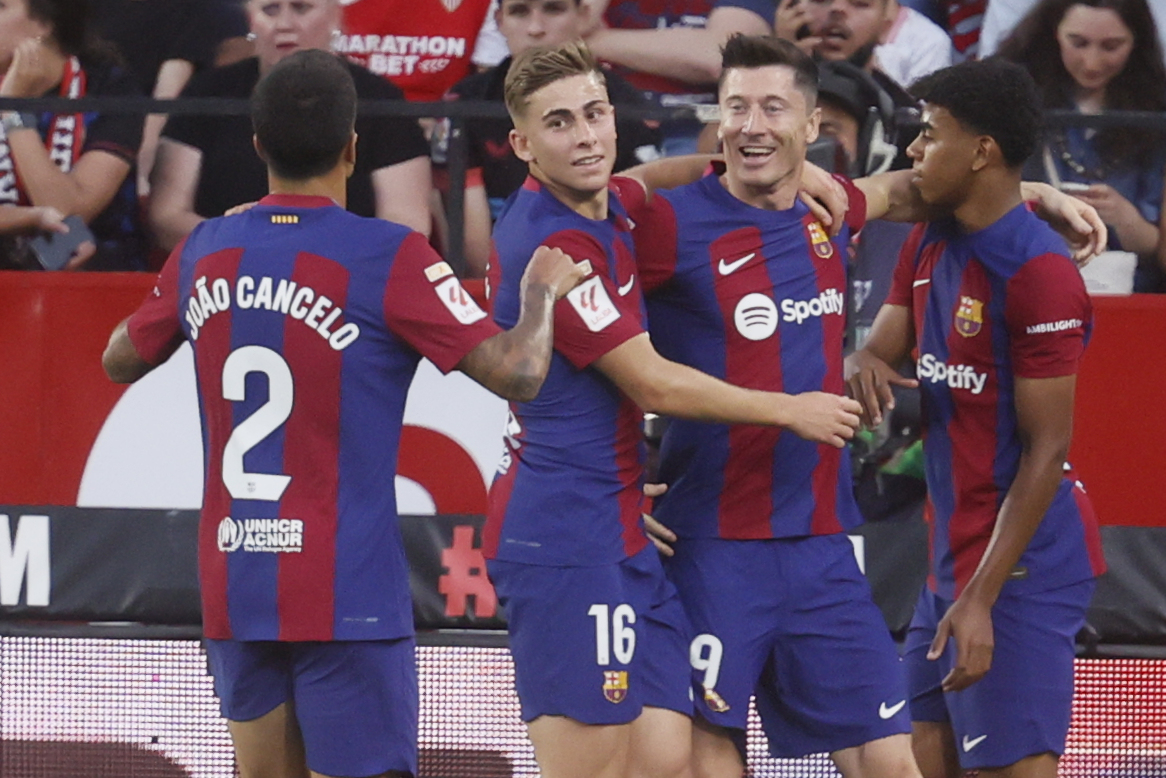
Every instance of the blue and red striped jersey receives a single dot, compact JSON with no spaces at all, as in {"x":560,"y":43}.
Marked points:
{"x":754,"y":297}
{"x":569,"y":489}
{"x":307,"y":324}
{"x":989,"y":306}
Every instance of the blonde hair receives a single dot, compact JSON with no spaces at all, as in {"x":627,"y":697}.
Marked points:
{"x":538,"y":67}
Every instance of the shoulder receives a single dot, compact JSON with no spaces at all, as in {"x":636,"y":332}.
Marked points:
{"x":621,"y":90}
{"x":476,"y":86}
{"x":370,"y":85}
{"x":235,"y":80}
{"x":108,"y":78}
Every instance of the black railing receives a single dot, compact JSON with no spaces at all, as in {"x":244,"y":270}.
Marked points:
{"x":459,"y":112}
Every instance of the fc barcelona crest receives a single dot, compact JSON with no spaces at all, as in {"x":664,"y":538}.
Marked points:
{"x":451,"y":5}
{"x":715,"y":701}
{"x":615,"y":685}
{"x":969,"y":316}
{"x":820,"y":241}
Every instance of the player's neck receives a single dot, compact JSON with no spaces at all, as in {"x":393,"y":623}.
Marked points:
{"x":333,"y":184}
{"x":991,"y":197}
{"x":590,"y":205}
{"x":779,"y":196}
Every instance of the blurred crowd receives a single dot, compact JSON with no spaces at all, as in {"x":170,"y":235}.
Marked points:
{"x":135,"y":188}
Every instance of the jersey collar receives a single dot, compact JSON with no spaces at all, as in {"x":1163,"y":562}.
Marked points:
{"x":298,"y":201}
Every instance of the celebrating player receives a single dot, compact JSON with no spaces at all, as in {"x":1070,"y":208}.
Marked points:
{"x":997,"y":317}
{"x":744,"y":283}
{"x":599,"y":639}
{"x":307,"y":324}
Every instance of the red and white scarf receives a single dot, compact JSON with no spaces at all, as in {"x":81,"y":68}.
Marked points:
{"x":65,"y":139}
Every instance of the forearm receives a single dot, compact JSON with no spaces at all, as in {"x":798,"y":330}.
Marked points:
{"x":1028,"y":499}
{"x":670,"y":172}
{"x":514,"y":364}
{"x":680,"y":391}
{"x":688,"y":54}
{"x":1137,"y":235}
{"x":170,"y":225}
{"x":892,"y":196}
{"x":18,"y":218}
{"x":44,"y":182}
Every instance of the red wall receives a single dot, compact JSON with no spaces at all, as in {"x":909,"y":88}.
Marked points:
{"x":54,"y":397}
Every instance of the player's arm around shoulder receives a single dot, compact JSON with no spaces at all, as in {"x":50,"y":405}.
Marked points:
{"x":514,"y":363}
{"x":659,"y":385}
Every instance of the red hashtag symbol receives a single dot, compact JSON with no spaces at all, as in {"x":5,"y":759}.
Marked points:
{"x":466,"y":577}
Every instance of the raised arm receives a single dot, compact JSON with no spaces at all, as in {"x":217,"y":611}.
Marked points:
{"x":514,"y":364}
{"x":658,"y":385}
{"x":690,"y":54}
{"x":173,"y":186}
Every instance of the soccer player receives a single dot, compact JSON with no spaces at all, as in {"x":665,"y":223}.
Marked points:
{"x":997,"y":317}
{"x":598,"y":636}
{"x":307,"y":324}
{"x":745,"y":284}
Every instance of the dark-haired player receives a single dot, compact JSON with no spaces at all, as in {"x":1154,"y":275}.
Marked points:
{"x":598,"y":637}
{"x":307,"y":324}
{"x":997,"y":317}
{"x":744,"y":283}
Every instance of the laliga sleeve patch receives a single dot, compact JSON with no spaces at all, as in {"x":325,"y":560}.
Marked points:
{"x":591,"y":301}
{"x":459,"y":302}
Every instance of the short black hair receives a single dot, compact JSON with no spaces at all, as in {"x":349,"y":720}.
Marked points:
{"x":991,"y":97}
{"x":303,"y":112}
{"x":757,"y":51}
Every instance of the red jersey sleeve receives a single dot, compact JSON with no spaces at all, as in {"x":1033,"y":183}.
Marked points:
{"x":154,"y":329}
{"x":594,"y":317}
{"x":655,"y":233}
{"x":855,"y":206}
{"x":1049,"y":315}
{"x":426,"y":305}
{"x":903,"y":279}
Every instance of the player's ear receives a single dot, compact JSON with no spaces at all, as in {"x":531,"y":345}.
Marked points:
{"x":521,"y":145}
{"x":987,"y":152}
{"x":350,"y":151}
{"x":259,"y":148}
{"x":813,"y":125}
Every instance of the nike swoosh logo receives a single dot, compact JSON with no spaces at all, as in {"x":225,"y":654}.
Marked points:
{"x":921,"y":282}
{"x":970,"y":743}
{"x":728,"y":267}
{"x":886,"y":713}
{"x":623,"y":290}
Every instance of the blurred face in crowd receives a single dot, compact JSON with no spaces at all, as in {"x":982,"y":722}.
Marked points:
{"x":943,"y":157}
{"x":1095,"y":46}
{"x":766,"y":124}
{"x":17,"y":26}
{"x":567,"y":136}
{"x":839,"y":124}
{"x":283,"y":27}
{"x":850,"y":29}
{"x":530,"y":23}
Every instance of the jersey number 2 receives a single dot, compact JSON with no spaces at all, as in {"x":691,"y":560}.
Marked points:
{"x":266,"y":419}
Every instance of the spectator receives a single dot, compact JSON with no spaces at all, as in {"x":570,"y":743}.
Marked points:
{"x":1092,"y":56}
{"x":494,"y":170}
{"x":163,"y":43}
{"x":206,"y":164}
{"x":32,"y":220}
{"x":1002,"y":16}
{"x":912,"y":47}
{"x":850,"y":31}
{"x":422,"y":46}
{"x":78,"y":163}
{"x":673,"y":55}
